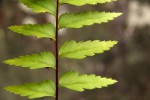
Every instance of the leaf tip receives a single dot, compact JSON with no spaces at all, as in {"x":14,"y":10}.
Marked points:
{"x":119,"y":13}
{"x":115,"y":81}
{"x":115,"y":42}
{"x":5,"y":61}
{"x":8,"y":88}
{"x":11,"y":27}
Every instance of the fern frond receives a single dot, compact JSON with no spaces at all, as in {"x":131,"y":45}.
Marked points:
{"x":84,"y":2}
{"x":34,"y":61}
{"x":78,"y":20}
{"x":71,"y":49}
{"x":72,"y":80}
{"x":41,"y":6}
{"x":34,"y":90}
{"x":40,"y":31}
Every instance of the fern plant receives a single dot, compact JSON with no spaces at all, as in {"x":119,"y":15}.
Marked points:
{"x":69,"y":49}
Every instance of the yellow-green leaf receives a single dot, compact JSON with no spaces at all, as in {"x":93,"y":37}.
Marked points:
{"x":84,"y":2}
{"x":34,"y":90}
{"x":71,"y":49}
{"x":40,"y":31}
{"x":34,"y":61}
{"x":78,"y":20}
{"x":41,"y":6}
{"x":72,"y":80}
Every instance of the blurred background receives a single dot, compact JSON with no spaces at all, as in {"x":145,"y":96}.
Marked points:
{"x":128,"y":62}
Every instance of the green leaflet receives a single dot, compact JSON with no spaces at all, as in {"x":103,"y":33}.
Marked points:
{"x":72,"y":80}
{"x":78,"y":20}
{"x":34,"y":61}
{"x":40,"y":31}
{"x":41,"y":6}
{"x":34,"y":90}
{"x":71,"y":49}
{"x":84,"y":2}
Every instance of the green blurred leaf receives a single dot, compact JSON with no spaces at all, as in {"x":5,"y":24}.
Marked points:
{"x":34,"y":61}
{"x":41,"y":6}
{"x":84,"y":2}
{"x":34,"y":90}
{"x":78,"y":20}
{"x":40,"y":31}
{"x":72,"y":80}
{"x":71,"y":49}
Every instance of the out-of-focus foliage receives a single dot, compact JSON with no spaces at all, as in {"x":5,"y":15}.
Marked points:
{"x":144,"y":1}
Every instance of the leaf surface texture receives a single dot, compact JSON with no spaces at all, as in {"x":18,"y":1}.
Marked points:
{"x":78,"y":20}
{"x":34,"y":61}
{"x":41,"y":6}
{"x":84,"y":2}
{"x":34,"y":90}
{"x":72,"y":49}
{"x":40,"y":31}
{"x":72,"y":80}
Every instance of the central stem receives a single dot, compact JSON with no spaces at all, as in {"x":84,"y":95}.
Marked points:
{"x":56,"y":48}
